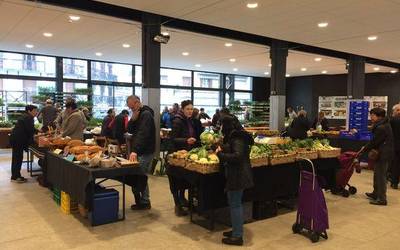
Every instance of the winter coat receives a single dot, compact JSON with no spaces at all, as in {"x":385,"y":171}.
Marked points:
{"x":180,"y":133}
{"x":119,"y":128}
{"x":299,"y":127}
{"x":235,"y":160}
{"x":106,"y":126}
{"x":23,"y":132}
{"x":73,"y":125}
{"x":143,"y":132}
{"x":382,"y":140}
{"x":395,"y":124}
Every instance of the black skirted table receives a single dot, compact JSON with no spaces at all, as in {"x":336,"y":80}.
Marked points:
{"x":79,"y":181}
{"x":271,"y":183}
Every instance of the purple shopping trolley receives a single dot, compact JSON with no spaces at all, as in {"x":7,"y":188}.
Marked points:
{"x":312,"y":213}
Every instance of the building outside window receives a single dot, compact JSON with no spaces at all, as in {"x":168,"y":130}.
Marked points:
{"x":102,"y":100}
{"x":206,"y":80}
{"x":243,"y":83}
{"x":209,"y":100}
{"x":74,"y":69}
{"x":120,"y":95}
{"x":111,"y":72}
{"x":27,"y":65}
{"x":173,"y":77}
{"x":169,"y":96}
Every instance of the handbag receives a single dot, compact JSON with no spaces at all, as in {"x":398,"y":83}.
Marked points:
{"x":373,"y":154}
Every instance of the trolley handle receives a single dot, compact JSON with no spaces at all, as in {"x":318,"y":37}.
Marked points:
{"x":313,"y":169}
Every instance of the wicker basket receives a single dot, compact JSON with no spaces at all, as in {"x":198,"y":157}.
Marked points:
{"x":312,"y":155}
{"x":176,"y":162}
{"x":332,"y":153}
{"x":282,"y":159}
{"x":259,"y":162}
{"x":203,"y":168}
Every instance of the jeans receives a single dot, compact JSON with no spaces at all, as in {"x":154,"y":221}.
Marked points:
{"x":235,"y":205}
{"x":145,"y":162}
{"x":16,"y":162}
{"x":380,"y":179}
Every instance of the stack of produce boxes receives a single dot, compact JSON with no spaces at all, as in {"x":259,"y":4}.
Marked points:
{"x":358,"y":119}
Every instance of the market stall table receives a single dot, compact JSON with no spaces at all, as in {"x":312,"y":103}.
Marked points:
{"x":79,"y":181}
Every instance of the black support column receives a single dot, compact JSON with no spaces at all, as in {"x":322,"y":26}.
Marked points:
{"x":59,"y":74}
{"x":278,"y":54}
{"x":151,"y":60}
{"x":356,"y":77}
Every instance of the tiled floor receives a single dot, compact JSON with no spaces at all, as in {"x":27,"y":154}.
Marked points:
{"x":29,"y":219}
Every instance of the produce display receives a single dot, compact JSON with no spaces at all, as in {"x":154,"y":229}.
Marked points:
{"x":259,"y":155}
{"x":209,"y":138}
{"x":202,"y":156}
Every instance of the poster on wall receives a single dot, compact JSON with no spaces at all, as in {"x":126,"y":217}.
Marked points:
{"x":335,"y":107}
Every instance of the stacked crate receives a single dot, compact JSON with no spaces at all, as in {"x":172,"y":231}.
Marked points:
{"x":68,"y":206}
{"x":358,"y":119}
{"x":57,"y":195}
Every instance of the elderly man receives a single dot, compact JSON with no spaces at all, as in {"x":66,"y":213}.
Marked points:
{"x":48,"y":115}
{"x":395,"y":169}
{"x":143,"y":130}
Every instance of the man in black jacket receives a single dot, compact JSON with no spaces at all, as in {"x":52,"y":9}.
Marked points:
{"x":395,"y":123}
{"x":21,"y":137}
{"x":143,"y":130}
{"x":120,"y":126}
{"x":382,"y":145}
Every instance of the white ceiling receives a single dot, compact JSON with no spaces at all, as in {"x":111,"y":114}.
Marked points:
{"x":24,"y":22}
{"x":350,"y":21}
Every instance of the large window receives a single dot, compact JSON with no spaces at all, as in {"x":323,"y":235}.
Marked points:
{"x":27,"y":65}
{"x":120,"y":95}
{"x":74,"y":69}
{"x":138,"y":74}
{"x":209,"y":100}
{"x":102,"y":100}
{"x":138,"y":91}
{"x":243,"y":83}
{"x":173,"y":77}
{"x":206,"y":80}
{"x":22,"y":90}
{"x":243,"y":97}
{"x":70,"y":87}
{"x":171,"y":96}
{"x":111,"y":72}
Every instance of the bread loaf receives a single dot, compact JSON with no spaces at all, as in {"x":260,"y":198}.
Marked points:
{"x":78,"y":150}
{"x":74,"y":143}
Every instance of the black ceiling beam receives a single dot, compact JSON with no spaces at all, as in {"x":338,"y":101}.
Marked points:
{"x":136,"y":15}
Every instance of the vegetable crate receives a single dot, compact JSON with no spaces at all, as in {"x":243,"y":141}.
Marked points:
{"x":259,"y":162}
{"x":57,"y":195}
{"x":282,"y":159}
{"x":68,"y":206}
{"x":333,"y":153}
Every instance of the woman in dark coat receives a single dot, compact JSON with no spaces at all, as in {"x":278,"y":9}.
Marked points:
{"x":235,"y":159}
{"x":184,"y":136}
{"x":106,"y":126}
{"x":299,"y":127}
{"x":382,"y":145}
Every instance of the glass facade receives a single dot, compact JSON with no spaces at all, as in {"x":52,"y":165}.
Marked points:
{"x":24,"y":75}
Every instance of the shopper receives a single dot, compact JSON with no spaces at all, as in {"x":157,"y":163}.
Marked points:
{"x":395,"y":124}
{"x":74,"y":123}
{"x":234,"y":157}
{"x":198,"y":127}
{"x":299,"y":127}
{"x":184,"y":136}
{"x":166,"y":119}
{"x":143,"y":130}
{"x":203,"y":114}
{"x":108,"y":123}
{"x":321,"y":122}
{"x":175,"y":110}
{"x":381,"y":150}
{"x":215,"y":118}
{"x":292,"y":114}
{"x":120,"y":126}
{"x":21,"y":137}
{"x":48,"y":115}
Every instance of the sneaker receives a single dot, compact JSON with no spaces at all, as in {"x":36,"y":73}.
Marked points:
{"x":371,"y":196}
{"x":19,"y":180}
{"x":141,"y":206}
{"x":378,"y":202}
{"x":179,"y":211}
{"x":236,"y":241}
{"x":227,"y":234}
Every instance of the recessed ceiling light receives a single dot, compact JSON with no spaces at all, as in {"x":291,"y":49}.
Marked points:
{"x":165,"y":33}
{"x":185,"y":53}
{"x":232,"y":60}
{"x":376,"y":68}
{"x":126,"y":45}
{"x":270,"y":65}
{"x":393,"y":71}
{"x":324,"y":72}
{"x":303,"y":69}
{"x":323,"y":25}
{"x":228,"y":44}
{"x":235,"y":69}
{"x":99,"y":54}
{"x":317,"y":59}
{"x":372,"y":38}
{"x":74,"y":18}
{"x":266,"y":73}
{"x":287,"y":75}
{"x":252,"y":5}
{"x":47,"y":34}
{"x":197,"y":65}
{"x":29,"y":46}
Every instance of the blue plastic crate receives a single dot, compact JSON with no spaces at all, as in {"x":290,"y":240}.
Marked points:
{"x":105,"y":207}
{"x":348,"y":135}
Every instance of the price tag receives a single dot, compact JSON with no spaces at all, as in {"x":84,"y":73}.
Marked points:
{"x":70,"y":158}
{"x":57,"y":151}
